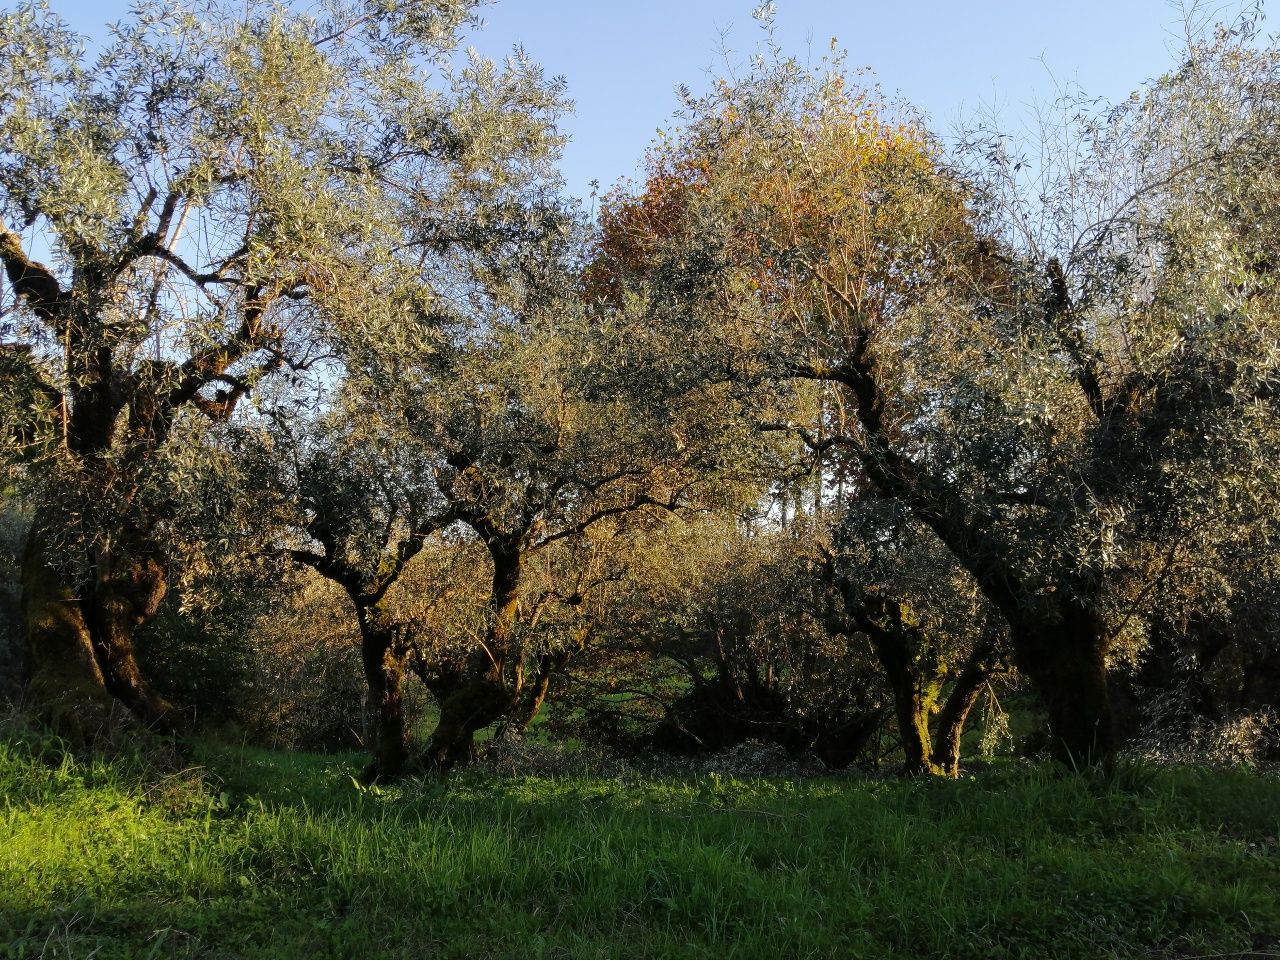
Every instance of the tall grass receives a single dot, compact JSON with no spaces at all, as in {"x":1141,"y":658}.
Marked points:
{"x":280,"y":856}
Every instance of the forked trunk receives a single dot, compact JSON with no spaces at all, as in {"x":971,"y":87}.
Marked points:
{"x":485,"y":694}
{"x":126,"y":596}
{"x":912,"y":698}
{"x":481,"y":700}
{"x":955,"y":713}
{"x":530,"y":705}
{"x":522,"y":714}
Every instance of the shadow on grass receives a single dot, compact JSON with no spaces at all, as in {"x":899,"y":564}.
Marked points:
{"x":275,"y":855}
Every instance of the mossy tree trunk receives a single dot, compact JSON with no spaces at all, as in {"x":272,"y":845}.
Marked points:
{"x":914,"y":699}
{"x":913,"y":706}
{"x":482,"y":699}
{"x":537,"y":685}
{"x":918,"y":694}
{"x":87,"y":588}
{"x":955,"y":713}
{"x":80,"y":640}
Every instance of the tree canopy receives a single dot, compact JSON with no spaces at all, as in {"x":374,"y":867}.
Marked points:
{"x":829,"y":419}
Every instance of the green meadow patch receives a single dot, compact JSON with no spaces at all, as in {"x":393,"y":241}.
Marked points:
{"x":271,"y":855}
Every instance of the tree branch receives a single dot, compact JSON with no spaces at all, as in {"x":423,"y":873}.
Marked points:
{"x":33,"y":282}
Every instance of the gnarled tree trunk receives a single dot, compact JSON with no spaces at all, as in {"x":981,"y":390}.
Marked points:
{"x":532,"y":698}
{"x":912,"y":702}
{"x":485,"y":693}
{"x":1067,"y":661}
{"x":482,"y":699}
{"x":955,"y":713}
{"x":64,"y":680}
{"x":384,"y":661}
{"x":126,"y":595}
{"x":913,"y":707}
{"x":80,"y":647}
{"x":916,"y":696}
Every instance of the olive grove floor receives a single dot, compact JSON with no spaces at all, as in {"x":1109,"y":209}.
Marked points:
{"x":272,"y":855}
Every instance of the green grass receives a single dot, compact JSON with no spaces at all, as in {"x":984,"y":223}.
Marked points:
{"x":281,"y":856}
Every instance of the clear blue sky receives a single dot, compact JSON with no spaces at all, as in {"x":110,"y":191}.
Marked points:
{"x":623,"y":58}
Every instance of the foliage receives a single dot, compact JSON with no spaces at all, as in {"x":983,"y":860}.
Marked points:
{"x":718,"y":633}
{"x":1073,"y":410}
{"x":223,"y":195}
{"x":823,"y":421}
{"x":305,"y":689}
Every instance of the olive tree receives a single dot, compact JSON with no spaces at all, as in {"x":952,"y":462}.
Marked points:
{"x":184,"y":214}
{"x":1049,"y":405}
{"x":531,"y":413}
{"x":938,"y":642}
{"x":349,"y":504}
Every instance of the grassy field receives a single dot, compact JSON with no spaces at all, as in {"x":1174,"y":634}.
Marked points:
{"x":281,"y":856}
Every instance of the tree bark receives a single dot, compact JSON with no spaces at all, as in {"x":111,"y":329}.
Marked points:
{"x":65,"y":680}
{"x":126,"y":594}
{"x":482,"y":699}
{"x":1067,"y":661}
{"x":916,"y":695}
{"x":955,"y":713}
{"x":384,"y":665}
{"x":80,"y":646}
{"x":912,"y":700}
{"x":485,"y":694}
{"x":530,"y":705}
{"x":912,"y":709}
